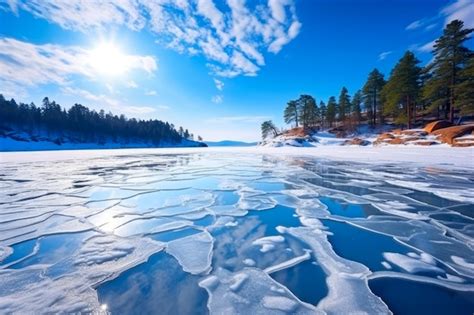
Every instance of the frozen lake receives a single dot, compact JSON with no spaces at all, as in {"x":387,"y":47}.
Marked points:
{"x":144,"y":232}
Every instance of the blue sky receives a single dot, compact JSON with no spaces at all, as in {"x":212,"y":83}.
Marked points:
{"x":218,"y":68}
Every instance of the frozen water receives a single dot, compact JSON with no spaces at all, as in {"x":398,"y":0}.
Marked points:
{"x":193,"y":252}
{"x":227,"y":233}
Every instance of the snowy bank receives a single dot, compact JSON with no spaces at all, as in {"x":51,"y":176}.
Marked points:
{"x":24,"y":142}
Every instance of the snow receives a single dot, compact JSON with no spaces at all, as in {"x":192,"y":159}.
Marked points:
{"x":67,"y":285}
{"x":249,"y":262}
{"x":450,"y":282}
{"x":442,"y":156}
{"x":239,"y":280}
{"x":348,"y":289}
{"x":462,"y":262}
{"x":255,"y":293}
{"x":280,"y":303}
{"x":193,"y":252}
{"x":230,"y":143}
{"x":5,"y":251}
{"x":452,"y":193}
{"x":267,"y":247}
{"x":411,"y":265}
{"x":8,"y":144}
{"x":269,"y":240}
{"x":267,"y":243}
{"x":289,"y":263}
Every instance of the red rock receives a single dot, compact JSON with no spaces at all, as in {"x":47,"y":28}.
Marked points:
{"x":425,"y":143}
{"x":298,"y":132}
{"x":411,"y":132}
{"x":396,"y":141}
{"x":448,"y":135}
{"x":385,"y":136}
{"x":438,"y":124}
{"x":356,"y":141}
{"x":463,"y":144}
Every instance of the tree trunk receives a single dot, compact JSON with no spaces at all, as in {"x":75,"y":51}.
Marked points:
{"x":374,"y":109}
{"x":408,"y":113}
{"x":451,"y":94}
{"x":414,"y":113}
{"x":451,"y":107}
{"x":275,"y":132}
{"x":296,"y":118}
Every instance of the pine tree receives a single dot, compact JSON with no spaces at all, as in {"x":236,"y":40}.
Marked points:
{"x":344,"y":104}
{"x":450,"y":57}
{"x":307,"y":105}
{"x":465,"y":89}
{"x":291,"y":113}
{"x":316,"y":119}
{"x":372,"y":96}
{"x":356,"y":107}
{"x":84,"y":124}
{"x":402,"y":89}
{"x":322,"y":114}
{"x":331,"y":111}
{"x":268,"y":128}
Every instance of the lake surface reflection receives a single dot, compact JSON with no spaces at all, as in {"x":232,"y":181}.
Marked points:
{"x":221,"y":233}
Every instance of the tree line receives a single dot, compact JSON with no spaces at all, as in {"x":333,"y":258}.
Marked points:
{"x":444,"y":89}
{"x":86,"y":125}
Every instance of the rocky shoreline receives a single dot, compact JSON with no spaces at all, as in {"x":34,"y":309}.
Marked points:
{"x":435,"y":133}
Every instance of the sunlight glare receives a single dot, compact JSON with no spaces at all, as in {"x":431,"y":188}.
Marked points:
{"x":107,"y":59}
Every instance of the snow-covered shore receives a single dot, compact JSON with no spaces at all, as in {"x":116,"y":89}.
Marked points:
{"x":442,"y":156}
{"x":8,"y":144}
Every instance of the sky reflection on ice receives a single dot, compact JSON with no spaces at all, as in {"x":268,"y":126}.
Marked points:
{"x":198,"y":233}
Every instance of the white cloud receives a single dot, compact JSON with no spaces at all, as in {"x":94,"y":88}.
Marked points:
{"x":150,"y":93}
{"x":31,"y":64}
{"x":384,"y":55}
{"x":12,"y":90}
{"x":460,"y":10}
{"x":217,"y":99}
{"x":102,"y":101}
{"x":238,"y":119}
{"x":131,"y":84}
{"x":219,"y":84}
{"x":284,"y":39}
{"x":425,"y":24}
{"x":27,"y":64}
{"x":431,"y":26}
{"x":426,"y":48}
{"x":110,"y":88}
{"x":278,"y":9}
{"x":233,"y":37}
{"x":239,"y":61}
{"x":82,"y":16}
{"x":207,"y":9}
{"x":414,"y":25}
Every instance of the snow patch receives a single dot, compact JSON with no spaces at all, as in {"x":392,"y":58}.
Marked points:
{"x":193,"y":252}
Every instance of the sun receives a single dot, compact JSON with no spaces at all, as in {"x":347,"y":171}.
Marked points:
{"x":107,"y":59}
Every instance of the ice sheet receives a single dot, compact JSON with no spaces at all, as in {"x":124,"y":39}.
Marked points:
{"x":251,"y":214}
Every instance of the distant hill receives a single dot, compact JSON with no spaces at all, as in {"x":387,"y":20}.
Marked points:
{"x":230,"y":143}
